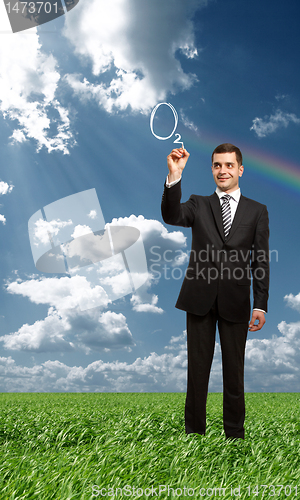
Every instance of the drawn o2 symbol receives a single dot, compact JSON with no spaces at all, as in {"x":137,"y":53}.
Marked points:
{"x":178,"y":140}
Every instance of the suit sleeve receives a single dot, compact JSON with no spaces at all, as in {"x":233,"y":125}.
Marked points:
{"x":260,"y":262}
{"x":173,"y":211}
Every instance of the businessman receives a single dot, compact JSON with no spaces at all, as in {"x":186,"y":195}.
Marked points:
{"x":230,"y":249}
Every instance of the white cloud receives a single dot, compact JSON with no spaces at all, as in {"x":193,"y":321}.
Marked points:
{"x":90,"y":247}
{"x":43,"y":336}
{"x":69,"y":331}
{"x":163,"y":251}
{"x":139,"y":306}
{"x":188,"y":123}
{"x":140,"y":63}
{"x":18,"y":136}
{"x":281,"y":97}
{"x":132,"y":66}
{"x":118,"y":281}
{"x":269,"y":124}
{"x":111,"y":332}
{"x":5,"y":188}
{"x":271,"y":364}
{"x":81,"y":230}
{"x":165,"y":372}
{"x":159,"y":243}
{"x":76,"y":303}
{"x":44,"y":229}
{"x":29,"y":81}
{"x":274,"y":364}
{"x":151,"y":229}
{"x":178,"y":342}
{"x":293,"y":301}
{"x":92,"y":214}
{"x":61,"y":293}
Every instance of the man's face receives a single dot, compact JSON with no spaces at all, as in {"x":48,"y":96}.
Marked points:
{"x":226,"y":171}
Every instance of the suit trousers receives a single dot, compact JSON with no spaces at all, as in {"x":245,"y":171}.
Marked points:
{"x":201,"y":332}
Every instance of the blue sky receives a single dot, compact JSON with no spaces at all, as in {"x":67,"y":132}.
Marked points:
{"x":76,"y":96}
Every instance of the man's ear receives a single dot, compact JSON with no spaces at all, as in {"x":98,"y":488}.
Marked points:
{"x":241,"y":170}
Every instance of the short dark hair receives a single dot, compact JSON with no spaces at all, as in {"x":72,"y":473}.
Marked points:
{"x":228,"y":148}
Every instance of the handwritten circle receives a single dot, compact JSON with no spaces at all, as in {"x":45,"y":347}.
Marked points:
{"x":152,"y":118}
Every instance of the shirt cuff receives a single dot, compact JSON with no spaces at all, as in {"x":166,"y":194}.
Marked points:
{"x":170,"y":184}
{"x":259,"y":310}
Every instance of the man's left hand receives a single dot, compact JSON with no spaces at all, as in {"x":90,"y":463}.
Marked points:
{"x":260,"y":316}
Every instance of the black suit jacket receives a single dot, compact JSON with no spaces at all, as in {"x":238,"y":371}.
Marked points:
{"x":220,"y":269}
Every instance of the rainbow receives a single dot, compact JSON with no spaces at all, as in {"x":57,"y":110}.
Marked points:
{"x":279,"y":170}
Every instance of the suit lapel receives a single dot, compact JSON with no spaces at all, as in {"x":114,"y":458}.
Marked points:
{"x":239,"y":214}
{"x":216,"y":209}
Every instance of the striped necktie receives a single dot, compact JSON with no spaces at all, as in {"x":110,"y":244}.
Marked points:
{"x":226,"y":214}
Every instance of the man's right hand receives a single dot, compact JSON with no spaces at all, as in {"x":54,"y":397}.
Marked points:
{"x":176,"y":163}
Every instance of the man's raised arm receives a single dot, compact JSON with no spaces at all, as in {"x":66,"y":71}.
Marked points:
{"x":176,"y":162}
{"x":174,"y":212}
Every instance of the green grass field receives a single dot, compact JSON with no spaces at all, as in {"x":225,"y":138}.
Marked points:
{"x":82,"y":446}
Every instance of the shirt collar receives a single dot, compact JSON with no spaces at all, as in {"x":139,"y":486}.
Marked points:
{"x":235,"y":194}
